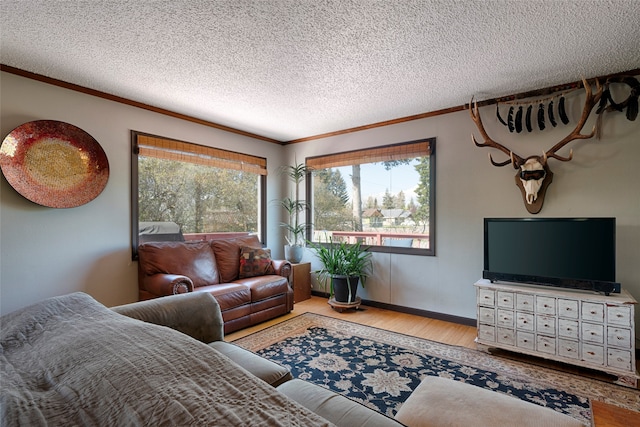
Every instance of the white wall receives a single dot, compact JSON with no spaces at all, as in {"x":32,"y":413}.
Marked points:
{"x":602,"y":180}
{"x":46,"y":252}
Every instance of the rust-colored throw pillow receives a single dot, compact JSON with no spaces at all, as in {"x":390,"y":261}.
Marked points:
{"x":255,"y":262}
{"x":227,"y":252}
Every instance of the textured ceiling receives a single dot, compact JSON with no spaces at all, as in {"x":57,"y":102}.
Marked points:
{"x":289,"y":69}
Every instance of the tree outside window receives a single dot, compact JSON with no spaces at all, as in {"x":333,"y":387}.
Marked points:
{"x":194,"y":189}
{"x":382,"y":197}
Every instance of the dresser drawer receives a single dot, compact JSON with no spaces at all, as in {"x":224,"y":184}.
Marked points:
{"x":620,"y":359}
{"x":593,"y":354}
{"x":505,"y":318}
{"x":506,"y":336}
{"x":524,"y":321}
{"x":486,"y":297}
{"x":592,"y":311}
{"x":524,"y":302}
{"x":525,"y":340}
{"x":546,"y":325}
{"x":619,"y":337}
{"x":545,"y":305}
{"x":585,"y":329}
{"x":593,"y":333}
{"x":487,"y":333}
{"x":568,"y":328}
{"x":487,"y":315}
{"x":619,"y":315}
{"x":505,"y":299}
{"x":568,"y":308}
{"x":568,"y":348}
{"x":545,"y":344}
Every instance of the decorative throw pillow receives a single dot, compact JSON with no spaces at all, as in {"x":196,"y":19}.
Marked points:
{"x":255,"y":262}
{"x":227,"y":252}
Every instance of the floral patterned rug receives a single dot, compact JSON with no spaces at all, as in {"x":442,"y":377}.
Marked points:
{"x":381,"y":368}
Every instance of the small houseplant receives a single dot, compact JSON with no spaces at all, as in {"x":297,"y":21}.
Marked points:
{"x":346,"y":265}
{"x":294,"y":206}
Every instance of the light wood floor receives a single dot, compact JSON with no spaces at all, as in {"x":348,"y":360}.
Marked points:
{"x":432,"y":329}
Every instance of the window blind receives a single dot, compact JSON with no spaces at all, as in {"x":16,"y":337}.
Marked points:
{"x":169,"y":149}
{"x":403,"y":151}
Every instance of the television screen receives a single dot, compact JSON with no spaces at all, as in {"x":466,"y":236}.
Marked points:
{"x":566,"y":252}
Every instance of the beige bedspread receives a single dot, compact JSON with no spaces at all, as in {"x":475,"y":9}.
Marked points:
{"x":70,"y":361}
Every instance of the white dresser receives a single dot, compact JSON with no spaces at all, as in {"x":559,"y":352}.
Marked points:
{"x":577,"y":327}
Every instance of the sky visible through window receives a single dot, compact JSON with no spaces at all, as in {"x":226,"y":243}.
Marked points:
{"x":376,"y":180}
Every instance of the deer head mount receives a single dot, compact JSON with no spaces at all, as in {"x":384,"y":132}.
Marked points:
{"x":534,"y":176}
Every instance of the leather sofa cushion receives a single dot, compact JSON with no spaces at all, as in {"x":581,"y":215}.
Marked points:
{"x":269,"y":306}
{"x":262,"y":287}
{"x":194,"y":260}
{"x":229,"y":295}
{"x":227,"y":253}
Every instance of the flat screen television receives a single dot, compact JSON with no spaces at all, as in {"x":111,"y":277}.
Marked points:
{"x":576,"y":253}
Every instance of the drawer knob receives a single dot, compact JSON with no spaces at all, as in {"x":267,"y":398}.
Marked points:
{"x":618,"y":315}
{"x":592,"y":312}
{"x":591,"y":353}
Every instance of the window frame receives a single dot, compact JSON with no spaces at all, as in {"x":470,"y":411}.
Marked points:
{"x":430,"y":251}
{"x":135,"y":150}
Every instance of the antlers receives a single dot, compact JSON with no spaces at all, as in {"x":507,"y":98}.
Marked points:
{"x":475,"y":116}
{"x":590,"y":101}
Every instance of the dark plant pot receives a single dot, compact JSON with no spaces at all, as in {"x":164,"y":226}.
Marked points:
{"x":341,"y":287}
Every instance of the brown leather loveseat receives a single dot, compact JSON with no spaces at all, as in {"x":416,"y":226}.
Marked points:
{"x":249,"y":286}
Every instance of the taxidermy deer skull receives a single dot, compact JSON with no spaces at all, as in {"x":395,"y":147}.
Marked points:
{"x":534,"y":175}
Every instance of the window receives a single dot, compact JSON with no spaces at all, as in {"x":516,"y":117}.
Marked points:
{"x":187,"y":191}
{"x":382,"y":197}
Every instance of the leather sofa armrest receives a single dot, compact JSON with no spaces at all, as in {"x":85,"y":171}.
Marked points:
{"x":282,"y":267}
{"x":196,"y":314}
{"x":163,"y":285}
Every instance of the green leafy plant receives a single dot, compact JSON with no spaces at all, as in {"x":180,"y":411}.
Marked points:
{"x":342,"y":259}
{"x":294,"y":206}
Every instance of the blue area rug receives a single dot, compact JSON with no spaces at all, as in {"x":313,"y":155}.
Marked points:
{"x":380,"y":368}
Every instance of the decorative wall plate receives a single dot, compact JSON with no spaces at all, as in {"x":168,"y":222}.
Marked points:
{"x":54,"y":164}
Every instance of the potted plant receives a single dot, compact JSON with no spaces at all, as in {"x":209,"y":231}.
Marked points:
{"x":294,"y":206}
{"x":346,"y":265}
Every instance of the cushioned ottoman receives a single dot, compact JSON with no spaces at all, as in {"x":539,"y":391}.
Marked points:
{"x":268,"y":371}
{"x":443,"y":402}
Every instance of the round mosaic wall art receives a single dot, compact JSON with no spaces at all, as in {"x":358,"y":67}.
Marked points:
{"x":54,"y":164}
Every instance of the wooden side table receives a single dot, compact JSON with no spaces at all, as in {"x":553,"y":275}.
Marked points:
{"x":301,"y":280}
